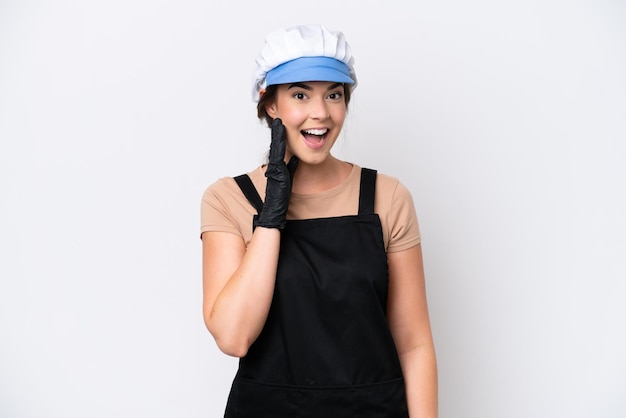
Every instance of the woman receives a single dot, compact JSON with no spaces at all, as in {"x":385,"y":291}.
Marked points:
{"x":318,"y":287}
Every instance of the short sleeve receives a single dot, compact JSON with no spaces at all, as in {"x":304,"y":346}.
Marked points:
{"x":218,"y":211}
{"x":403,"y":226}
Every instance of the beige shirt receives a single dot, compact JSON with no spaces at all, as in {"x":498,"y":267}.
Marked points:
{"x":224,"y":207}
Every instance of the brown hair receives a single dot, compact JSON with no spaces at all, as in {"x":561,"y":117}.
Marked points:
{"x":270,"y":95}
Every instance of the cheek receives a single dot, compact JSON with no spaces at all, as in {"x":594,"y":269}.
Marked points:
{"x":292,"y":119}
{"x":293,"y":135}
{"x":339,"y":114}
{"x":292,"y":116}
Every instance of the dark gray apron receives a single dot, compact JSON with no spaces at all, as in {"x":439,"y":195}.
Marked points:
{"x":326,"y":350}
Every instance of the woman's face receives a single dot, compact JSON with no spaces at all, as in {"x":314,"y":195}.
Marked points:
{"x":313,"y":113}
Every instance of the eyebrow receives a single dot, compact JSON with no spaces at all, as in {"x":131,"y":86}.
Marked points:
{"x":306,"y":87}
{"x":299,"y":85}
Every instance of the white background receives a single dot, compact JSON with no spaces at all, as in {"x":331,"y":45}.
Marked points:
{"x":506,"y":120}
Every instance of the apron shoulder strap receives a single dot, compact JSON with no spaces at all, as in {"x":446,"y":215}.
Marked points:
{"x":367,"y":192}
{"x":249,"y":191}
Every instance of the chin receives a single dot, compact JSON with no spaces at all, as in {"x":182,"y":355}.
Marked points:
{"x":314,"y":159}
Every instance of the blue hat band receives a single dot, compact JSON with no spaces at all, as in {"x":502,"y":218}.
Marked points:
{"x":309,"y":69}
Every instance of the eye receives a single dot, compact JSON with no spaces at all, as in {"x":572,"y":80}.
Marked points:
{"x":299,"y":95}
{"x":335,"y":95}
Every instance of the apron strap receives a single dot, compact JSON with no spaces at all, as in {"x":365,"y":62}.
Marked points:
{"x":366,"y":194}
{"x":368,"y":191}
{"x":249,"y":191}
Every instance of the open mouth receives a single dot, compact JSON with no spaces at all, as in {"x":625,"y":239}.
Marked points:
{"x":314,"y":138}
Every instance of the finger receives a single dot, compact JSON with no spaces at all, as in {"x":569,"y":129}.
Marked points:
{"x":292,"y":165}
{"x":278,"y":145}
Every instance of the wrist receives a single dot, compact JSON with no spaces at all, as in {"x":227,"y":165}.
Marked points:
{"x":268,"y":223}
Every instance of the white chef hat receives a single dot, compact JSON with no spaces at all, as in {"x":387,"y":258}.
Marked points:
{"x":303,"y":53}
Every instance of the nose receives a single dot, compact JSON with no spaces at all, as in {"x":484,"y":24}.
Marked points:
{"x":318,"y":109}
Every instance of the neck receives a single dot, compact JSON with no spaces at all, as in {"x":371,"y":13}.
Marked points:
{"x":316,"y":178}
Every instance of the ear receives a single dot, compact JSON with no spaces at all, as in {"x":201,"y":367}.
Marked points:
{"x":271,"y":110}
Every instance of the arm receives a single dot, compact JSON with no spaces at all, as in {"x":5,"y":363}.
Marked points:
{"x":407,"y":313}
{"x":238,"y":285}
{"x":238,"y":282}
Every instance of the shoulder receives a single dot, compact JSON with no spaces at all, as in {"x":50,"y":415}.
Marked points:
{"x":390,"y":189}
{"x":225,"y":208}
{"x":226,"y":190}
{"x":394,"y":204}
{"x":386,"y":181}
{"x":220,"y":191}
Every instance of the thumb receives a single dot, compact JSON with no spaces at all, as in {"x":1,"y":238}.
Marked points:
{"x":278,"y":144}
{"x":292,"y":165}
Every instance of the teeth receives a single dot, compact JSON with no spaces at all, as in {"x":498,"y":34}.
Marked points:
{"x":318,"y":132}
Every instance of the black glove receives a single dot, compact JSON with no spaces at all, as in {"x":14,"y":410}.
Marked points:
{"x":279,"y":176}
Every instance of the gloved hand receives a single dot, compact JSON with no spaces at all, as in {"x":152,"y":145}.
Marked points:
{"x":279,"y":176}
